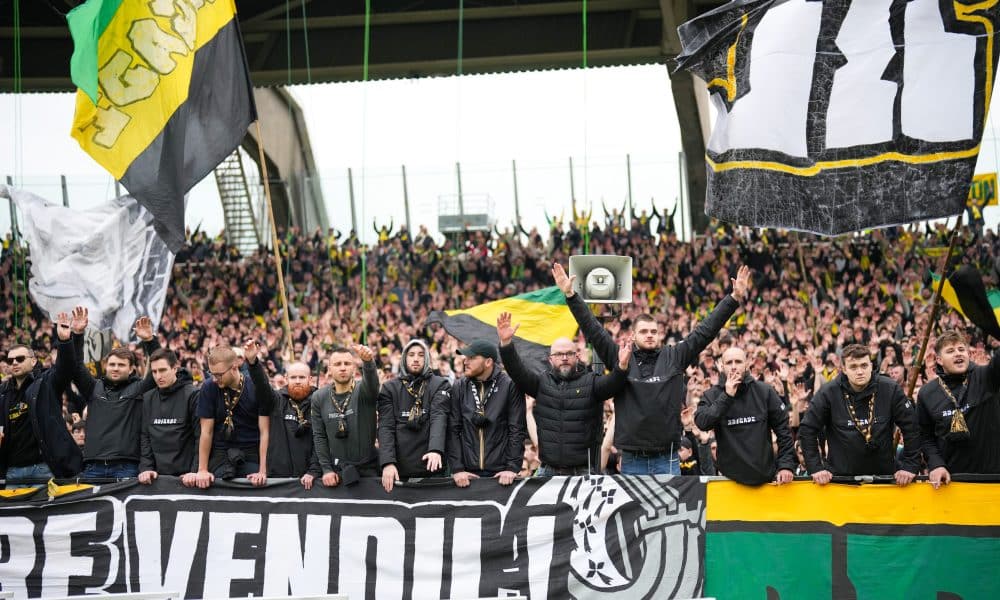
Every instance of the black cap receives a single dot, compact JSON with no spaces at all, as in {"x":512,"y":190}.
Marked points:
{"x":481,"y":348}
{"x":686,"y":443}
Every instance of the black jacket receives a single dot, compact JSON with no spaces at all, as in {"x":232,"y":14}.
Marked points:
{"x":979,"y":399}
{"x":499,"y":444}
{"x":848,"y":453}
{"x":568,"y":412}
{"x":290,"y":450}
{"x":743,"y":426}
{"x":168,"y":438}
{"x":648,"y":410}
{"x":358,"y":446}
{"x":43,"y":393}
{"x":402,"y":443}
{"x":114,"y":413}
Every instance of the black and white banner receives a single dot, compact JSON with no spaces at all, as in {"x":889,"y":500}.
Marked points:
{"x":841,"y":115}
{"x":560,"y":537}
{"x":107,"y":258}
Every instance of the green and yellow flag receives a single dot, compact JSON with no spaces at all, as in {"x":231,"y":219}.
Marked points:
{"x":164,"y":96}
{"x":543,"y":317}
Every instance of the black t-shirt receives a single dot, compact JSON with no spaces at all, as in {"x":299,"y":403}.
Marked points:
{"x":19,"y":437}
{"x":212,"y":405}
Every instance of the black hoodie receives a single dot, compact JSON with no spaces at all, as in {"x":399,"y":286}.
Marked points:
{"x":978,"y":394}
{"x":401,"y":442}
{"x":168,"y":437}
{"x":848,"y":453}
{"x":743,"y":426}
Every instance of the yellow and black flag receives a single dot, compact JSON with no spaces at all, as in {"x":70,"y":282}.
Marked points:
{"x":164,"y":96}
{"x":965,"y":291}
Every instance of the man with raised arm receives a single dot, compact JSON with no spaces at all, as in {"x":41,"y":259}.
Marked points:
{"x":343,"y":417}
{"x":568,"y":401}
{"x":648,"y":411}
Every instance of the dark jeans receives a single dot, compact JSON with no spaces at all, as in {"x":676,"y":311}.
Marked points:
{"x":229,"y":463}
{"x":651,"y":463}
{"x":30,"y":472}
{"x":550,"y":471}
{"x":108,"y":469}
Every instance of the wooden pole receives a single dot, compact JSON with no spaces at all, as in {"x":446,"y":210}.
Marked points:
{"x":517,"y":203}
{"x":406,"y":203}
{"x":935,"y":308}
{"x":802,"y":267}
{"x":275,"y":246}
{"x":354,"y":214}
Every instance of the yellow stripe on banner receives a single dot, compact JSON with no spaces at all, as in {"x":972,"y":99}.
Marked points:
{"x":145,"y":57}
{"x":729,"y":83}
{"x":17,"y":493}
{"x":540,"y":323}
{"x":801,"y":501}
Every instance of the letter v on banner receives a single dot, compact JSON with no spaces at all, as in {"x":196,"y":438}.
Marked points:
{"x":843,"y":115}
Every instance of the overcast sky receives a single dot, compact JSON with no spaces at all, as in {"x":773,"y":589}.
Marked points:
{"x":539,"y":119}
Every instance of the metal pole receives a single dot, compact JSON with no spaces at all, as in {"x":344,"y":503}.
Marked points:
{"x":354,"y":213}
{"x":118,"y":189}
{"x":65,"y":192}
{"x":406,"y":202}
{"x":13,"y":212}
{"x":682,"y":198}
{"x":628,"y":173}
{"x":572,"y":188}
{"x":517,"y":204}
{"x":461,"y":202}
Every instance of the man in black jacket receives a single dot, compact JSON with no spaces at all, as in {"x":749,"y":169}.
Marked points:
{"x":344,"y":419}
{"x":959,"y":412}
{"x":290,"y":450}
{"x":488,"y":423}
{"x":169,"y":425}
{"x":413,"y":419}
{"x":647,"y":412}
{"x":743,"y":412}
{"x":114,"y":403}
{"x":34,"y":441}
{"x":568,"y":401}
{"x":858,"y":413}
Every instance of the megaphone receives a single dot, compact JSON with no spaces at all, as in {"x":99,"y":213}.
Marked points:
{"x":601,"y":278}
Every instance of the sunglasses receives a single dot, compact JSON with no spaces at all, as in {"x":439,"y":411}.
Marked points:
{"x":18,"y":359}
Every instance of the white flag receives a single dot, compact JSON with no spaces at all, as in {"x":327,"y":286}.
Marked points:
{"x":107,"y":258}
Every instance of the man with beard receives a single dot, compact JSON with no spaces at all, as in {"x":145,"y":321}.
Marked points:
{"x":169,"y":424}
{"x":568,"y":401}
{"x":34,"y":442}
{"x":647,"y":411}
{"x":959,"y":412}
{"x":235,"y":428}
{"x":488,"y":423}
{"x":413,"y":419}
{"x":743,"y":412}
{"x":290,"y":450}
{"x":343,"y":417}
{"x":114,"y":403}
{"x":859,"y":414}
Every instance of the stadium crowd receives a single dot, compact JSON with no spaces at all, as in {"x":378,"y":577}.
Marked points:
{"x":810,"y":298}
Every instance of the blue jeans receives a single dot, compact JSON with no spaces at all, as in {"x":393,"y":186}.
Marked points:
{"x":37,"y":472}
{"x":662,"y":463}
{"x":110,"y":469}
{"x":550,"y":471}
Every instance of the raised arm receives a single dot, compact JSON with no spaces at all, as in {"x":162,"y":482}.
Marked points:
{"x":604,"y":345}
{"x":369,"y":375}
{"x":81,"y":376}
{"x":149,"y":343}
{"x":526,"y":379}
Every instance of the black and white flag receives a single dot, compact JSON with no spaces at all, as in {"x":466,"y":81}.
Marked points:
{"x":841,"y":115}
{"x":107,"y":258}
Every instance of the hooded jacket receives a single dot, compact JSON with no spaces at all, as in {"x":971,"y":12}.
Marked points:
{"x":978,"y":394}
{"x":648,"y":410}
{"x":168,"y":437}
{"x":43,"y":393}
{"x":403,"y":442}
{"x":496,"y":445}
{"x":114,"y":413}
{"x":848,"y":452}
{"x":358,"y":446}
{"x":290,"y":450}
{"x":568,"y":411}
{"x":743,"y":426}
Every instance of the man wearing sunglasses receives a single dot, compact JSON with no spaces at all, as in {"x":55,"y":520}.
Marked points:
{"x":568,"y":401}
{"x":114,"y":402}
{"x":34,"y":442}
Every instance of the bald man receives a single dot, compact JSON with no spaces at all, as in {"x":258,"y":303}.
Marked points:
{"x":290,"y":452}
{"x":568,"y":401}
{"x":743,"y":412}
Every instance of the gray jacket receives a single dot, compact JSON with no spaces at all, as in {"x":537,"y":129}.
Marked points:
{"x":358,"y":446}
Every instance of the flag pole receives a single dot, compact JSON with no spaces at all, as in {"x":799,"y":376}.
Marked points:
{"x":802,"y":267}
{"x":274,"y":243}
{"x":935,"y":308}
